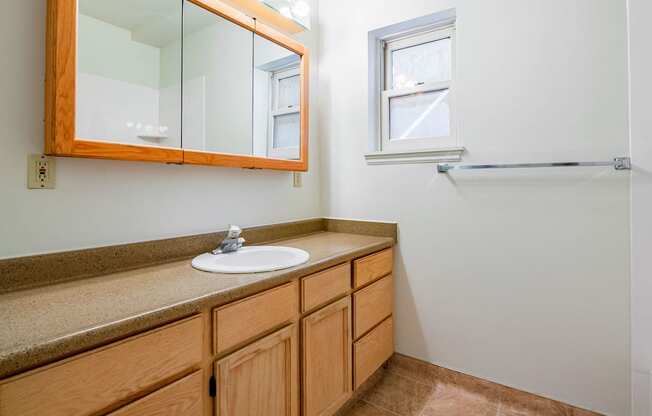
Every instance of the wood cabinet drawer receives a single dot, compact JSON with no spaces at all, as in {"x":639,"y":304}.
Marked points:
{"x":181,"y":398}
{"x":322,"y":287}
{"x":242,"y":321}
{"x":373,"y":267}
{"x":108,"y":377}
{"x":372,"y":304}
{"x":370,"y":352}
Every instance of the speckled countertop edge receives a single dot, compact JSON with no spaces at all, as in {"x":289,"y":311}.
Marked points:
{"x":34,"y":355}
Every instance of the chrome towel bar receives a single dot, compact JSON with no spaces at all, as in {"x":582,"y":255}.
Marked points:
{"x":619,"y":163}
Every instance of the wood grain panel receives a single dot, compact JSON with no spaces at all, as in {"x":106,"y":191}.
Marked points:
{"x":198,"y":157}
{"x":181,"y":398}
{"x":118,"y":151}
{"x":242,"y":321}
{"x":60,"y":72}
{"x":261,"y":379}
{"x":279,"y":38}
{"x":305,"y":109}
{"x":370,"y":352}
{"x":106,"y":378}
{"x":373,"y":267}
{"x":322,"y":287}
{"x":372,"y":305}
{"x":327,"y":358}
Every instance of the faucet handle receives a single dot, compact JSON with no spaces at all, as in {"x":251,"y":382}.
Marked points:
{"x":234,"y":231}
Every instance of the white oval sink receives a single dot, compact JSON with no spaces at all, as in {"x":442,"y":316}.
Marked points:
{"x":252,"y":259}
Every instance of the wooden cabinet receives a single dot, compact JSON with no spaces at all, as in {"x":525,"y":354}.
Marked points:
{"x":372,"y":304}
{"x":103,"y":379}
{"x":327,"y":382}
{"x":182,"y":398}
{"x":244,"y":320}
{"x":261,"y":379}
{"x":323,"y":287}
{"x":372,"y":350}
{"x":373,"y":267}
{"x":68,"y":92}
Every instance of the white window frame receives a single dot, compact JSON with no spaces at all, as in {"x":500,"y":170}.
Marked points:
{"x":402,"y":41}
{"x":290,"y":152}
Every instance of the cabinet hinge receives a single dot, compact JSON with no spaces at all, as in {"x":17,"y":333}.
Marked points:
{"x":212,"y":387}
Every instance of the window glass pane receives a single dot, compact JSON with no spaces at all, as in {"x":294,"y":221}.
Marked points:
{"x":288,"y":92}
{"x":287,"y":130}
{"x":428,"y":62}
{"x":419,"y":116}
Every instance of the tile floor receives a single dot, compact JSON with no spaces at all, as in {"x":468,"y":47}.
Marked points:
{"x":409,"y":387}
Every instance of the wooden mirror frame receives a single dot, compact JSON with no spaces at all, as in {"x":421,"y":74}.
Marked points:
{"x":60,"y":81}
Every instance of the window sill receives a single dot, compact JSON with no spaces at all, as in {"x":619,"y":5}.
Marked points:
{"x":449,"y":154}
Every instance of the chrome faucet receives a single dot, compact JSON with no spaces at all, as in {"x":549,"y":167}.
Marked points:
{"x":232,"y":243}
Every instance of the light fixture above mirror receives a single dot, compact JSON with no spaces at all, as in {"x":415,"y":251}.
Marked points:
{"x":296,"y":10}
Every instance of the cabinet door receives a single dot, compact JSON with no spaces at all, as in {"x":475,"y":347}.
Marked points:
{"x":261,"y":379}
{"x":327,"y":359}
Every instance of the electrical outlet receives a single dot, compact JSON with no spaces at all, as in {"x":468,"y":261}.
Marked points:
{"x":40,"y":172}
{"x":297,"y":180}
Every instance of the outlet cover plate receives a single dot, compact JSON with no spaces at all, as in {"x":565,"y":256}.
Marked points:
{"x":297,"y":180}
{"x":41,"y":172}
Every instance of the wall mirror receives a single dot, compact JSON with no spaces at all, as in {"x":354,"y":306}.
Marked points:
{"x":176,"y":81}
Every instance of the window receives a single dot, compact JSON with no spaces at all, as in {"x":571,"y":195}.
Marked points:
{"x":285,"y":114}
{"x":417,"y":84}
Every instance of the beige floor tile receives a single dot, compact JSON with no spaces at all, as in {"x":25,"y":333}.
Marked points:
{"x":414,"y":369}
{"x":582,"y":412}
{"x":450,"y":400}
{"x":517,"y":403}
{"x":398,"y":394}
{"x":410,"y":387}
{"x":361,"y":408}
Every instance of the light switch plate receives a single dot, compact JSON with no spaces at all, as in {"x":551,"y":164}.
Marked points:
{"x":297,"y":180}
{"x":41,"y":172}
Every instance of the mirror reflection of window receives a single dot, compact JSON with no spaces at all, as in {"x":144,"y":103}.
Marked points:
{"x":128,"y":72}
{"x":277,"y":94}
{"x":284,"y":116}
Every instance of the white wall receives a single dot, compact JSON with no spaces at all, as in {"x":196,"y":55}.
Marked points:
{"x":640,"y":33}
{"x":520,"y":277}
{"x":109,"y":202}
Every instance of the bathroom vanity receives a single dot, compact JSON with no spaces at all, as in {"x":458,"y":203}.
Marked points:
{"x":294,"y":342}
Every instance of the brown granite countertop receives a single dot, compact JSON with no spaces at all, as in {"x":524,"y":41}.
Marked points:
{"x":46,"y":324}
